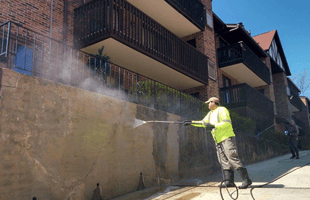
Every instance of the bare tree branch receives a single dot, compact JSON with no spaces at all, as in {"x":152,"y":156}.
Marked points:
{"x":302,"y":82}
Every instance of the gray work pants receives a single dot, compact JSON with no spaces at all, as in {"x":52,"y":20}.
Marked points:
{"x":292,"y":141}
{"x":227,"y":154}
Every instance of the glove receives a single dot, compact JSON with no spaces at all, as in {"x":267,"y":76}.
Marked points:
{"x":187,"y":122}
{"x":209,"y":126}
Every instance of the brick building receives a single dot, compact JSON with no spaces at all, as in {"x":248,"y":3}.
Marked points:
{"x":56,"y":39}
{"x":303,"y":119}
{"x":286,"y":93}
{"x":246,"y":84}
{"x":161,"y":53}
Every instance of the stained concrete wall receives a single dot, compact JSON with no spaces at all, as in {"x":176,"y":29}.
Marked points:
{"x":58,"y":141}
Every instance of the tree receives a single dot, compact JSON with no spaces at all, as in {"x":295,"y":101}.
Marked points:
{"x":302,"y":81}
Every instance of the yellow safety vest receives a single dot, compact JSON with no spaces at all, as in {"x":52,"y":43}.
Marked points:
{"x":220,"y":118}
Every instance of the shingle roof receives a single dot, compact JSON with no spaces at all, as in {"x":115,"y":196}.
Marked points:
{"x":264,"y":40}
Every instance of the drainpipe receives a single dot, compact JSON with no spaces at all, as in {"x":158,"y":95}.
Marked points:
{"x":51,"y":19}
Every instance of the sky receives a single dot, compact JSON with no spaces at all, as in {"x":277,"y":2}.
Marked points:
{"x":289,"y":18}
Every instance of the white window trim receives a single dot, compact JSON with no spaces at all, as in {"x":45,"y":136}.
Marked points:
{"x":214,"y":68}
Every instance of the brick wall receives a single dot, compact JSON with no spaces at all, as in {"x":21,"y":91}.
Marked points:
{"x":36,"y":15}
{"x":29,"y":13}
{"x":303,"y":116}
{"x":205,"y":43}
{"x":281,"y":99}
{"x":269,"y":89}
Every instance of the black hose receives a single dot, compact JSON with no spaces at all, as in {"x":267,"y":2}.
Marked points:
{"x":221,"y":185}
{"x":230,"y":194}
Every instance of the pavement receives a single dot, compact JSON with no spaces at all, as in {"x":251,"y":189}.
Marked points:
{"x":280,"y":178}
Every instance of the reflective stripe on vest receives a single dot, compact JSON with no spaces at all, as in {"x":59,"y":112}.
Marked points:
{"x":218,"y":117}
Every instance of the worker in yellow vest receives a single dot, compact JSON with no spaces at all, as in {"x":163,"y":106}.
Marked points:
{"x":218,"y":120}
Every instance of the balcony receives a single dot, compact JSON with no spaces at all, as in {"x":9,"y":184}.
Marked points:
{"x":243,"y":95}
{"x":241,"y":62}
{"x":138,"y":43}
{"x":293,"y":94}
{"x":181,"y":17}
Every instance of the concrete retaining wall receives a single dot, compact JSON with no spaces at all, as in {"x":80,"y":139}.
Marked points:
{"x":58,"y":141}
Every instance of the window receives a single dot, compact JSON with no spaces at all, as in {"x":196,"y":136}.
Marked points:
{"x":226,"y":81}
{"x":288,"y":91}
{"x":192,"y":42}
{"x":222,"y":43}
{"x":211,"y":69}
{"x":196,"y":95}
{"x":262,"y":91}
{"x":23,"y":60}
{"x":209,"y":20}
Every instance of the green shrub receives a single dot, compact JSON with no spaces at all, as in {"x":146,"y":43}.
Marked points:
{"x":242,"y":124}
{"x":275,"y":136}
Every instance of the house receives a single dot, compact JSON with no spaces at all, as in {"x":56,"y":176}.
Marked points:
{"x":287,"y":101}
{"x":246,"y":85}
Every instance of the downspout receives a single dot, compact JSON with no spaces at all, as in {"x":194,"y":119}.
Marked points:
{"x":51,"y":19}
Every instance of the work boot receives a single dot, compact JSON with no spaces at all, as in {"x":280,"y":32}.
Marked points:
{"x":246,"y":182}
{"x":229,"y":177}
{"x":293,"y":156}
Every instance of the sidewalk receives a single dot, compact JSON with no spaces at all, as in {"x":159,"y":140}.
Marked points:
{"x":293,"y":183}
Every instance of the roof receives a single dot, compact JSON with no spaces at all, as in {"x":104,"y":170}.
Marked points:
{"x":264,"y":40}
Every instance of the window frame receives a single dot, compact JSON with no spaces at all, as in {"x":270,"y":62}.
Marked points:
{"x":209,"y":20}
{"x":214,"y":68}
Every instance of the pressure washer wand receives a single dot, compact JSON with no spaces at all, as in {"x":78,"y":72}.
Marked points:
{"x":139,"y":122}
{"x":167,"y":122}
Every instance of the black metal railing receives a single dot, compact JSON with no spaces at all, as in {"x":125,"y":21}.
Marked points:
{"x":241,"y":53}
{"x":194,"y":10}
{"x":4,"y":38}
{"x":102,"y":19}
{"x":245,"y":95}
{"x":34,"y":54}
{"x":294,"y":95}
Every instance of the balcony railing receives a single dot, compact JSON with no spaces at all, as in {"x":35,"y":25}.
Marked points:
{"x":34,"y":54}
{"x":241,"y":53}
{"x":194,"y":9}
{"x":294,"y":95}
{"x":244,"y":95}
{"x":102,"y":19}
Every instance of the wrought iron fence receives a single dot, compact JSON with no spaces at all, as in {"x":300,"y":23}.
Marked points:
{"x":31,"y":53}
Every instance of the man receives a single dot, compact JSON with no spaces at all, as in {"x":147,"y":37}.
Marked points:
{"x":292,"y":134}
{"x":218,"y":119}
